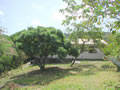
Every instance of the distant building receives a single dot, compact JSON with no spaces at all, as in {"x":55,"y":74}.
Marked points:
{"x":92,"y":55}
{"x":88,"y":42}
{"x":87,"y":54}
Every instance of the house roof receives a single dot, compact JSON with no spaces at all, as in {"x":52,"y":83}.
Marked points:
{"x":88,"y":41}
{"x":104,"y":42}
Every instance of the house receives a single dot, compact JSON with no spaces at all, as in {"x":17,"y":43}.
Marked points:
{"x":88,"y":42}
{"x":98,"y":55}
{"x":95,"y":54}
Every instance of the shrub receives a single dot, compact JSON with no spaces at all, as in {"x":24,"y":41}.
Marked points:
{"x":9,"y":57}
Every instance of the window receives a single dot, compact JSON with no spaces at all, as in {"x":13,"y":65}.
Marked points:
{"x":92,"y":50}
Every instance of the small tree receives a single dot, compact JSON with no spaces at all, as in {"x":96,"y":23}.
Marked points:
{"x":72,"y":50}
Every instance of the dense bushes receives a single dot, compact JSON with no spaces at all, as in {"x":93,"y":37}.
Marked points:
{"x":7,"y":63}
{"x":9,"y":58}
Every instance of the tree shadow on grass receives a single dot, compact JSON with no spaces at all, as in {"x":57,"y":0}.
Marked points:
{"x":51,"y":74}
{"x":43,"y":78}
{"x":107,"y":67}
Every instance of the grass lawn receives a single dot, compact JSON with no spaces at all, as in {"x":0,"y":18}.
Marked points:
{"x":88,"y":75}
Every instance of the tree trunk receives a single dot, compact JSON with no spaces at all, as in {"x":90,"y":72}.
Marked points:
{"x":82,"y":49}
{"x":73,"y":62}
{"x":40,"y":61}
{"x":42,"y":68}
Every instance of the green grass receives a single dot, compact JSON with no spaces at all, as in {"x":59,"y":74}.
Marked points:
{"x":88,"y":75}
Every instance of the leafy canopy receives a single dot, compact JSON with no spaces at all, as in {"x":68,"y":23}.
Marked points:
{"x":41,"y":42}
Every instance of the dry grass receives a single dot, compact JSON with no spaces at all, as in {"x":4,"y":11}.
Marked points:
{"x":88,"y":75}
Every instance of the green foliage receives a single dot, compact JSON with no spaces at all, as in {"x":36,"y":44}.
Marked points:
{"x":9,"y":58}
{"x":74,"y":52}
{"x":81,"y":22}
{"x":6,"y":63}
{"x":41,"y":42}
{"x":113,"y":48}
{"x":16,"y":35}
{"x":93,"y":15}
{"x":62,"y":52}
{"x":94,"y":11}
{"x":83,"y":76}
{"x":90,"y":14}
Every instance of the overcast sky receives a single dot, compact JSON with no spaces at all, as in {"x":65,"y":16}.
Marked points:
{"x":16,"y":15}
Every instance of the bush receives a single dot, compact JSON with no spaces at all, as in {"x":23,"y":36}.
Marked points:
{"x":9,"y":57}
{"x":9,"y":62}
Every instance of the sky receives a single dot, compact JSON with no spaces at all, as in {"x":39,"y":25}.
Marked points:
{"x":16,"y":15}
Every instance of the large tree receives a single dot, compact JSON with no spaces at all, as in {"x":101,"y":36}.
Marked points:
{"x":41,"y":42}
{"x":91,"y":14}
{"x":80,"y":19}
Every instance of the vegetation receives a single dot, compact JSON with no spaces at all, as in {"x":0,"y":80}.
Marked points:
{"x":113,"y":49}
{"x":90,"y":15}
{"x":95,"y":75}
{"x":9,"y":58}
{"x":92,"y":12}
{"x":41,"y":42}
{"x":84,"y":20}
